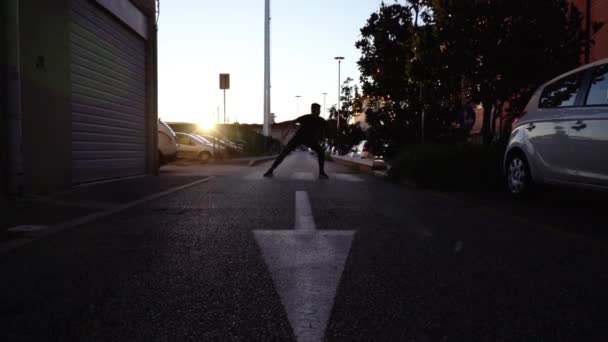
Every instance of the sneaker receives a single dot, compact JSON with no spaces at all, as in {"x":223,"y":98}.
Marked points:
{"x":323,"y":175}
{"x":269,"y":174}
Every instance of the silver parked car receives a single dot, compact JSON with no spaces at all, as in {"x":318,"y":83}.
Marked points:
{"x":193,"y":147}
{"x":562,"y":138}
{"x":361,"y":150}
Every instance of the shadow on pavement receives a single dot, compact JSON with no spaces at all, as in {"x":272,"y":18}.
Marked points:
{"x":575,"y":211}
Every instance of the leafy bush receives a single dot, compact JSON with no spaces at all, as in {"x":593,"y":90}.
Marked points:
{"x":456,"y":167}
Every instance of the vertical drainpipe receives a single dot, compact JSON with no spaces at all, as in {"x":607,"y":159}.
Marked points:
{"x":588,"y":31}
{"x":3,"y":133}
{"x":12,"y":94}
{"x":153,"y":93}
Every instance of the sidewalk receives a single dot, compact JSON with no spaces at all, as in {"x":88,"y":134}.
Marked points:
{"x":31,"y":213}
{"x":244,"y":161}
{"x":251,"y":161}
{"x":369,"y":166}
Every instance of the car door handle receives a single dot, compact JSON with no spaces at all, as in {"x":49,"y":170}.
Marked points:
{"x":579,"y":125}
{"x":531,"y":127}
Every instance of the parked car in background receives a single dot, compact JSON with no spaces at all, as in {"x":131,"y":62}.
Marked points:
{"x":167,"y":144}
{"x":219,"y":149}
{"x":191,"y":147}
{"x":361,"y":150}
{"x":563,"y":136}
{"x":227,"y":148}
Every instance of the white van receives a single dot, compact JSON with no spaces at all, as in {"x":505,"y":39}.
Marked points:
{"x":167,"y":145}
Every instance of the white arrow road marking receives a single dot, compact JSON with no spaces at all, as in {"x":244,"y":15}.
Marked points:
{"x":306,"y":265}
{"x":347,"y":177}
{"x":306,"y":176}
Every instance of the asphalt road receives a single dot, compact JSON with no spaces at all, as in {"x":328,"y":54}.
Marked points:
{"x":420,"y":267}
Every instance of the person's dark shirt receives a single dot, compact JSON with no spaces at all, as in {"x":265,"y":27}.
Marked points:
{"x":312,"y":127}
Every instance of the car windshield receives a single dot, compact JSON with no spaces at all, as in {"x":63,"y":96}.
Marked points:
{"x":367,"y":170}
{"x":200,"y":139}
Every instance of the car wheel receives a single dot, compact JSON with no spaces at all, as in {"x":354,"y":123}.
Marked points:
{"x":519,"y":179}
{"x":204,"y":157}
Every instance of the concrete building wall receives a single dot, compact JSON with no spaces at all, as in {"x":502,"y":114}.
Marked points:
{"x":46,"y":88}
{"x":45,"y":72}
{"x":599,"y":13}
{"x":146,"y":6}
{"x":3,"y":122}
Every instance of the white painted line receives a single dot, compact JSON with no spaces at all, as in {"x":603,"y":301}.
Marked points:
{"x":306,"y":266}
{"x":305,"y":176}
{"x":26,"y":229}
{"x":254,"y":176}
{"x":7,"y":247}
{"x":303,"y":215}
{"x":347,"y":177}
{"x":81,"y":204}
{"x":84,"y":185}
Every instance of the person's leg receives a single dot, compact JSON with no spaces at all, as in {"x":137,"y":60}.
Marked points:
{"x":291,"y":145}
{"x":320,"y":157}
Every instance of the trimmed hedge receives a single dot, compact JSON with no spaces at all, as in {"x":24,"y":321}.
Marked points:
{"x":455,"y":167}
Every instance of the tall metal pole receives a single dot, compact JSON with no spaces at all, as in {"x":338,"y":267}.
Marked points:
{"x":225,"y":107}
{"x":339,"y":104}
{"x":339,"y":59}
{"x":324,"y":104}
{"x":267,"y":69}
{"x":217,"y":128}
{"x":298,"y":105}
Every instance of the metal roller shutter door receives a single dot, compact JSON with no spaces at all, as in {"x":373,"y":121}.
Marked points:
{"x":108,"y":70}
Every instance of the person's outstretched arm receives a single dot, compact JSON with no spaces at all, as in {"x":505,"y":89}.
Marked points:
{"x":299,"y":120}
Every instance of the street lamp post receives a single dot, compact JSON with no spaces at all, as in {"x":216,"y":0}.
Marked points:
{"x":339,"y":59}
{"x":298,"y":104}
{"x":324,"y":102}
{"x":266,"y":126}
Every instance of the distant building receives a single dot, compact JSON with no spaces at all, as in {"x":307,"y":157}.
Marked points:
{"x":599,"y":13}
{"x":360,"y":117}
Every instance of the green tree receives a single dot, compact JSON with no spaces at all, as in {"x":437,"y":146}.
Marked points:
{"x":388,"y":55}
{"x":505,"y":49}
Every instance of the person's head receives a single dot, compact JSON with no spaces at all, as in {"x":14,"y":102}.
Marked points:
{"x":315,"y":109}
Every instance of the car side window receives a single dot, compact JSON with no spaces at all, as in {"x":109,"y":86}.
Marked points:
{"x":181,"y":139}
{"x":598,"y":91}
{"x":561,"y":93}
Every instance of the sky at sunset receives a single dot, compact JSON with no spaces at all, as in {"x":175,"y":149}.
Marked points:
{"x":199,"y":39}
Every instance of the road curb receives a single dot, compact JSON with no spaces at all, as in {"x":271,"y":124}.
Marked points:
{"x":11,"y":245}
{"x":363,"y":166}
